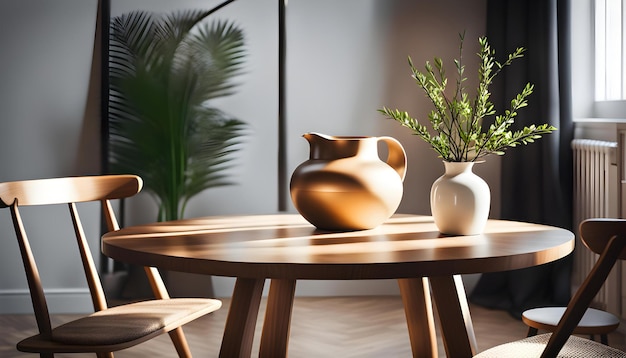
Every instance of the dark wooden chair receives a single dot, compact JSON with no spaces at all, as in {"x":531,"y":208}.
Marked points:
{"x":108,"y":329}
{"x":606,"y":237}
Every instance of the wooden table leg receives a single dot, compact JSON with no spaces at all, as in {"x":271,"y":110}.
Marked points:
{"x":419,"y":316}
{"x":457,"y":330}
{"x":242,"y":317}
{"x":275,"y":336}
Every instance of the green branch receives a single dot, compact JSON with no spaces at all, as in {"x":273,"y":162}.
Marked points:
{"x":456,"y":132}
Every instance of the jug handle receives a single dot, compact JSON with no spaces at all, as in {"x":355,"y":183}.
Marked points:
{"x":396,"y":157}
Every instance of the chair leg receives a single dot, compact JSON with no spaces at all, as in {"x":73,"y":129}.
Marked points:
{"x":604,"y":339}
{"x":105,"y":355}
{"x":180,"y":342}
{"x":532,"y":331}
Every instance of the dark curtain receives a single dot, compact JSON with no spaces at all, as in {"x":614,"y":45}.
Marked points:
{"x":536,"y":179}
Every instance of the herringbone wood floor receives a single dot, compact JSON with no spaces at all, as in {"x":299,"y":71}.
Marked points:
{"x":321,"y":327}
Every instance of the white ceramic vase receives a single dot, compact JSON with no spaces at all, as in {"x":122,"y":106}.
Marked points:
{"x":460,"y":200}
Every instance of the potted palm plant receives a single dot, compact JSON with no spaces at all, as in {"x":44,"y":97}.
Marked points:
{"x":165,"y":70}
{"x":464,"y":130}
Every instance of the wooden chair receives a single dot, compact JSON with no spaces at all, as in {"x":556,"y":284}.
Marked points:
{"x":108,"y":329}
{"x":606,"y":237}
{"x":594,"y":322}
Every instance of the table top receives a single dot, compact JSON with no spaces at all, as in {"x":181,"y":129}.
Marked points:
{"x":286,"y":246}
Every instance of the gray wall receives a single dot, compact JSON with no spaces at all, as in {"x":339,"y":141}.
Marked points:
{"x":48,"y":127}
{"x":346,"y":59}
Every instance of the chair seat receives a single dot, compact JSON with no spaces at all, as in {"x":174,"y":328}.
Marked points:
{"x":593,"y":322}
{"x":576,"y":347}
{"x":122,"y":326}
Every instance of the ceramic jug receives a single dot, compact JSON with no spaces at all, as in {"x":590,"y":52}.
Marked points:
{"x":344,"y":185}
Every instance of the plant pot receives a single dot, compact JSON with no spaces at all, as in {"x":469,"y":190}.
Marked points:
{"x":460,"y":200}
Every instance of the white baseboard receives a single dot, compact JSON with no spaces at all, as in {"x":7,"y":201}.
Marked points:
{"x":17,"y":301}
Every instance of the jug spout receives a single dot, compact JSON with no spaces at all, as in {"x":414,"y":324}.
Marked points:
{"x":320,"y":145}
{"x":313,"y":137}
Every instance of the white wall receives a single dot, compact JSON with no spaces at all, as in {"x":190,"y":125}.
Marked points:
{"x":345,"y":60}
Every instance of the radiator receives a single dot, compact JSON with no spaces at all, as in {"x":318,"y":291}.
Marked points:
{"x":595,"y":196}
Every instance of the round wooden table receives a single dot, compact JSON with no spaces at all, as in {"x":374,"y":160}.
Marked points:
{"x":286,"y":248}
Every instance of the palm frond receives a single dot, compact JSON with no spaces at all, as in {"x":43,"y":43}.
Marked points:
{"x":164,"y":72}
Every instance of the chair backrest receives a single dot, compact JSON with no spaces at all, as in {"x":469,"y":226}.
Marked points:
{"x":606,"y":237}
{"x":70,"y":190}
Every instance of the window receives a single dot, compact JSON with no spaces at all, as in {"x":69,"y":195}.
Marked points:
{"x":610,"y":64}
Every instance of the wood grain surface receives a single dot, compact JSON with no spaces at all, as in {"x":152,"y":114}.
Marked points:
{"x":287,"y":247}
